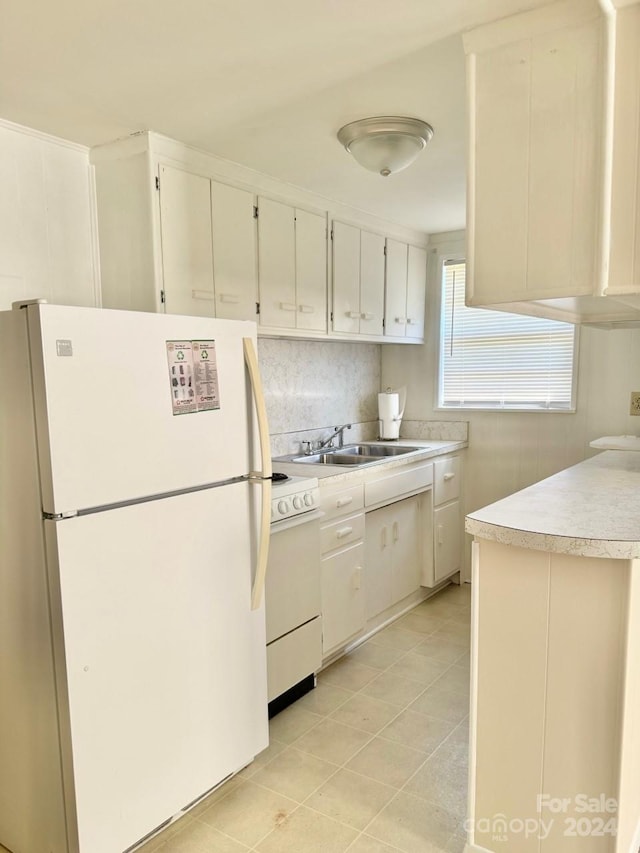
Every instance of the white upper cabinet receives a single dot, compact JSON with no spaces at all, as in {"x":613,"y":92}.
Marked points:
{"x":371,"y":283}
{"x":185,"y":232}
{"x":277,"y":264}
{"x":405,"y":290}
{"x":358,"y":280}
{"x":541,"y":150}
{"x":292,"y":267}
{"x":624,"y":270}
{"x":311,"y":270}
{"x":346,"y":278}
{"x":187,"y":260}
{"x":395,"y":299}
{"x":416,"y":291}
{"x":234,"y":252}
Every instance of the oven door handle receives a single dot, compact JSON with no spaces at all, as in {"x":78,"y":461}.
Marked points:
{"x":295,"y":520}
{"x":264,"y":476}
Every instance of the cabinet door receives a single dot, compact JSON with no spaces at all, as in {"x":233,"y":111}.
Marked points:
{"x":395,"y":297}
{"x":311,"y":271}
{"x":277,"y":264}
{"x":187,"y":260}
{"x":416,"y":291}
{"x":448,"y":540}
{"x":378,"y":547}
{"x":371,"y":283}
{"x":342,"y":597}
{"x":538,"y":169}
{"x":234,"y":252}
{"x":405,"y":536}
{"x":346,"y":278}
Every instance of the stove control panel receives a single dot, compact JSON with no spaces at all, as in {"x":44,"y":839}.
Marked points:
{"x":294,"y":496}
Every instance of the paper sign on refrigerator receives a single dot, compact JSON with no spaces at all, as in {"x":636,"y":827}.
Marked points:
{"x":193,"y":375}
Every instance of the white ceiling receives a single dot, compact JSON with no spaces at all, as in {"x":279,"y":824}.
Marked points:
{"x":266,"y":84}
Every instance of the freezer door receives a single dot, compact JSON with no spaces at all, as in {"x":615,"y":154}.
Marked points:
{"x":160,"y":661}
{"x":105,"y":397}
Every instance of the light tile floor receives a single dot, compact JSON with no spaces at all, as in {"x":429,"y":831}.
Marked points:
{"x":374,"y":760}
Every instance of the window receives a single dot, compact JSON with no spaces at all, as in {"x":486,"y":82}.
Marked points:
{"x":495,"y":360}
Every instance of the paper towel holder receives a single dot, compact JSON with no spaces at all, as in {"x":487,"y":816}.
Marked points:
{"x":391,"y":406}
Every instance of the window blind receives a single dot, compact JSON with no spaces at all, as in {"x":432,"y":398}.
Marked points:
{"x":494,"y":360}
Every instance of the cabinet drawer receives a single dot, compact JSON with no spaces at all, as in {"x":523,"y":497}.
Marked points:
{"x":344,"y":502}
{"x":388,"y":488}
{"x":446,"y":480}
{"x":342,"y":532}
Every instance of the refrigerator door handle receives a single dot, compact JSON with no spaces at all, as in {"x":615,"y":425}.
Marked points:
{"x":251,"y":361}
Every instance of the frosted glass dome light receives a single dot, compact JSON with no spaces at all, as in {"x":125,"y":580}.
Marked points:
{"x":385,"y":144}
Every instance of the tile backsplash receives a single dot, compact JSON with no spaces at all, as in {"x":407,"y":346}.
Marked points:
{"x":313,"y":386}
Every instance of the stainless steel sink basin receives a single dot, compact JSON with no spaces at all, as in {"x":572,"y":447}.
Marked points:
{"x":377,"y":450}
{"x":332,"y":458}
{"x":353,"y":454}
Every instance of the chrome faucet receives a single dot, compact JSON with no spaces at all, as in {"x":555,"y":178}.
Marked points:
{"x":338,"y":432}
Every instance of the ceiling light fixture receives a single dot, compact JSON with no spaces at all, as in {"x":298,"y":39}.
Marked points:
{"x":385,"y":144}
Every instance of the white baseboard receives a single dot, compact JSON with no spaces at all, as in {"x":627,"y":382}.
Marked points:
{"x":471,"y":848}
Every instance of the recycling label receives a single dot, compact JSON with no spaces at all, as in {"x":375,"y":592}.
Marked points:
{"x":193,"y":376}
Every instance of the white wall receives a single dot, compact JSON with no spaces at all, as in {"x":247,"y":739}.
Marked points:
{"x":47,"y":220}
{"x":508,"y":450}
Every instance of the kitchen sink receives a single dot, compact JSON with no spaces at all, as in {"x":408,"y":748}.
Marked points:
{"x":377,"y":450}
{"x":353,"y":454}
{"x":332,"y":458}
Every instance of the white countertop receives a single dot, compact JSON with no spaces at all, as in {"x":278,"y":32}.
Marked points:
{"x":591,"y":510}
{"x":327,"y":474}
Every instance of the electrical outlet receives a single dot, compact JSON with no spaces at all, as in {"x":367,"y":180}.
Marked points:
{"x":634,"y":405}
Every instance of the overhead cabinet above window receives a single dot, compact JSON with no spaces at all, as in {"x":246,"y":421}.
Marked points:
{"x":554,"y":108}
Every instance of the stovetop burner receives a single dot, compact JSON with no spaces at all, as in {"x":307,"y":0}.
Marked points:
{"x":279,"y":477}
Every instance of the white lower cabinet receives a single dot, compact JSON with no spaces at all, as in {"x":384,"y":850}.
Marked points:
{"x":342,"y":566}
{"x":448,"y":540}
{"x":393,"y":570}
{"x":343,"y":609}
{"x":447,"y":517}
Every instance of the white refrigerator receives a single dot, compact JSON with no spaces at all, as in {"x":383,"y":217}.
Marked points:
{"x":134,"y":518}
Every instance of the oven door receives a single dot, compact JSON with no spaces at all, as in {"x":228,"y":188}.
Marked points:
{"x":293,"y":574}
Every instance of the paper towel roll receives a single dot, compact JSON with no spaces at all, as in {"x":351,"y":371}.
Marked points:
{"x":388,"y":406}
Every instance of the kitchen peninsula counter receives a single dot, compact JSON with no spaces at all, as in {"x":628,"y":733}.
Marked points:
{"x":555,"y":664}
{"x":591,"y":509}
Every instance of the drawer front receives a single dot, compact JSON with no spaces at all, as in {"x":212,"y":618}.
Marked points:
{"x":446,"y":479}
{"x":294,"y":657}
{"x":342,"y":532}
{"x":395,"y":485}
{"x":344,"y":502}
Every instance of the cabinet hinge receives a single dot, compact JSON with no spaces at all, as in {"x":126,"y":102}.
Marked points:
{"x":257,"y":307}
{"x":332,"y":233}
{"x":162,"y":296}
{"x":332,"y":316}
{"x":255,"y":211}
{"x":384,"y":250}
{"x":383,"y":323}
{"x":157,"y":182}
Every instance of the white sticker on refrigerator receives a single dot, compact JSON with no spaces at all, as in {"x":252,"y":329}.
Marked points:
{"x":193,"y":376}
